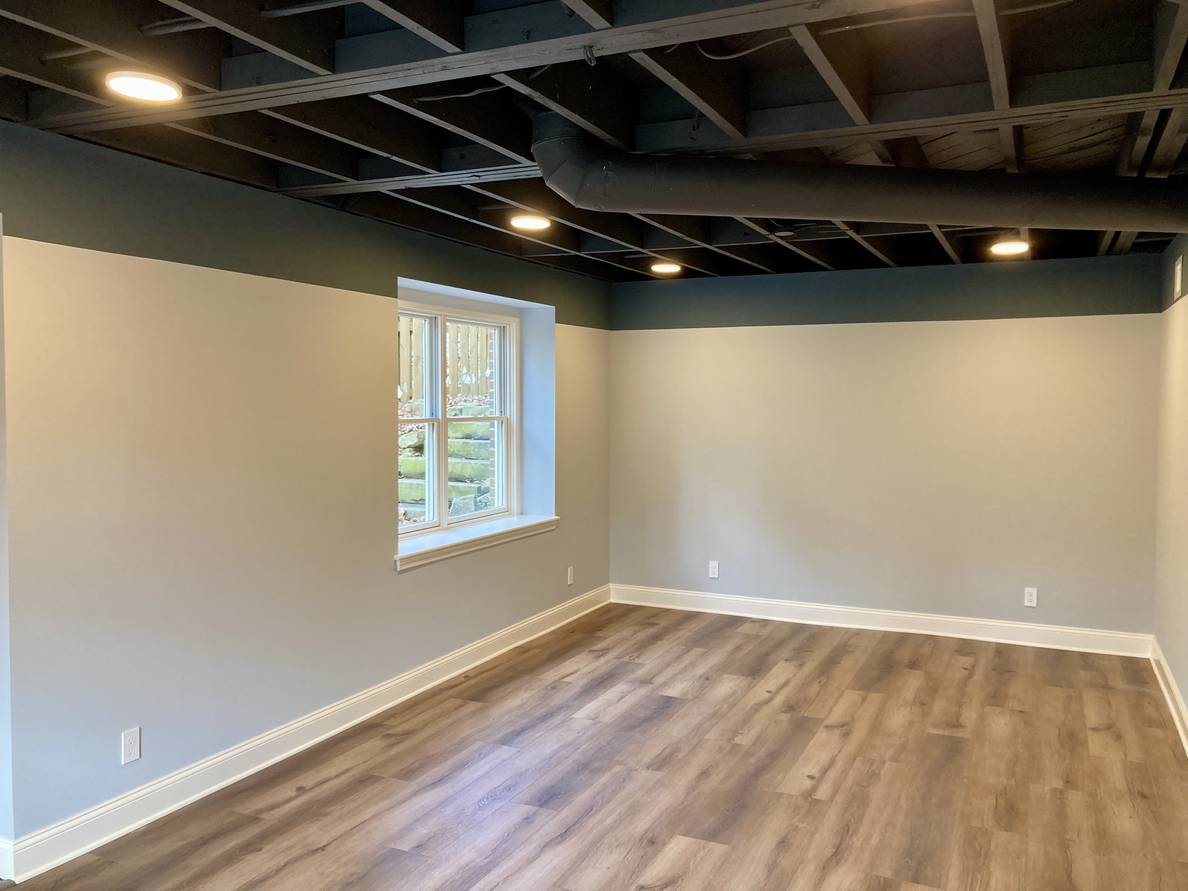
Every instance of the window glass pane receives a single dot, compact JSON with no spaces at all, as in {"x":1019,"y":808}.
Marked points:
{"x":476,"y":458}
{"x":415,"y":471}
{"x":472,"y":369}
{"x":416,"y":373}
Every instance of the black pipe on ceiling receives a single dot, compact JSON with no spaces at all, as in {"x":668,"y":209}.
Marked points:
{"x":592,"y":176}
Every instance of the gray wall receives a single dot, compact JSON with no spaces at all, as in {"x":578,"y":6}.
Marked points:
{"x":6,"y":821}
{"x":201,"y":492}
{"x":1171,"y":598}
{"x":65,"y":191}
{"x":926,"y":466}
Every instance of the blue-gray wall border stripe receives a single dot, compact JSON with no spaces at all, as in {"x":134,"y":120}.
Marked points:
{"x":64,"y":191}
{"x":1178,"y":248}
{"x":1028,"y":289}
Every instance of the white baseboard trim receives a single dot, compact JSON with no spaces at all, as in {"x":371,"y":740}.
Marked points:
{"x":5,"y":857}
{"x":1171,"y":692}
{"x":1088,"y":640}
{"x":49,"y":847}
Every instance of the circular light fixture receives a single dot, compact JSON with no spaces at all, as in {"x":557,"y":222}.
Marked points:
{"x":665,"y":267}
{"x":530,"y":222}
{"x":1010,"y":247}
{"x":143,"y":87}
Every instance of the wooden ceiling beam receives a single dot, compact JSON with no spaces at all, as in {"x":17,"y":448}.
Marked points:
{"x":305,"y":40}
{"x":843,"y":63}
{"x":454,"y":203}
{"x":811,"y":126}
{"x":265,"y":137}
{"x":717,"y":89}
{"x":734,"y":18}
{"x":805,"y":251}
{"x":508,"y":132}
{"x":247,"y":149}
{"x":182,"y":148}
{"x":280,"y":141}
{"x":392,"y":210}
{"x":587,"y":96}
{"x":21,"y":50}
{"x":997,"y":53}
{"x":418,"y":181}
{"x":591,"y":97}
{"x":696,"y":230}
{"x":596,"y":13}
{"x":866,"y":245}
{"x":1149,"y":135}
{"x":623,"y":229}
{"x":431,"y":220}
{"x":439,"y":22}
{"x":372,"y":127}
{"x":194,"y":58}
{"x":946,"y":242}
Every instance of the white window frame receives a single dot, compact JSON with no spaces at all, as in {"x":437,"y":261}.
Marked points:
{"x":507,"y":398}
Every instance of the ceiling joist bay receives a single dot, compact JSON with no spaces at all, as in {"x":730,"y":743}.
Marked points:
{"x":418,"y":112}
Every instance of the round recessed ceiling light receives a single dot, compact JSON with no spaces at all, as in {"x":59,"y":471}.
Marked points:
{"x":530,"y":222}
{"x":1010,"y":247}
{"x":665,"y":267}
{"x":143,"y":87}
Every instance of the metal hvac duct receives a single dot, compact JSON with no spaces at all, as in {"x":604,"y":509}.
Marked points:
{"x":591,"y":176}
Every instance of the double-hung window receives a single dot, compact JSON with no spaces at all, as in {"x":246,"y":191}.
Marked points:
{"x":457,"y":406}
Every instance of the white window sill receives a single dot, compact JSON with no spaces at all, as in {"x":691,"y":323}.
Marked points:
{"x":433,"y":546}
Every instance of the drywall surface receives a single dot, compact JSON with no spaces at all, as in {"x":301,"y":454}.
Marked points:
{"x":6,"y":821}
{"x":202,"y":504}
{"x":1171,"y":600}
{"x":1031,"y":289}
{"x":60,"y":190}
{"x":927,"y":466}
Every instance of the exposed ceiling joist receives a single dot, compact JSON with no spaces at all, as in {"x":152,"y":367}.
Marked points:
{"x":946,"y":242}
{"x":591,"y":97}
{"x":439,"y":22}
{"x":843,"y":64}
{"x":508,"y":131}
{"x":696,"y":230}
{"x":302,"y":40}
{"x":865,"y":243}
{"x":194,"y":59}
{"x":626,"y":39}
{"x":370,"y":127}
{"x":452,"y":143}
{"x":354,"y":121}
{"x":1154,"y":141}
{"x":997,"y":52}
{"x":419,"y":181}
{"x":811,"y":126}
{"x":717,"y":89}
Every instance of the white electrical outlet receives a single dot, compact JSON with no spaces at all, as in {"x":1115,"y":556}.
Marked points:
{"x":1030,"y":597}
{"x":713,"y":569}
{"x":130,"y":745}
{"x":569,"y":576}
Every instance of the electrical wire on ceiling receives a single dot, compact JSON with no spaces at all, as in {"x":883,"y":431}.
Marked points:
{"x":479,"y":91}
{"x":467,"y":95}
{"x":895,"y":20}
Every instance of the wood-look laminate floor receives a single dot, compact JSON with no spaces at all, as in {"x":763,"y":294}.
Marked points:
{"x":654,"y":749}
